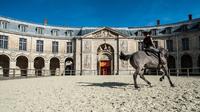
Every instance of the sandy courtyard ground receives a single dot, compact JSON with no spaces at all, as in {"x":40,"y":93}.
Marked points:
{"x":99,"y":94}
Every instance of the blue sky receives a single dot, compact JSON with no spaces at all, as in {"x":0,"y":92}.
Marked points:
{"x":116,"y":13}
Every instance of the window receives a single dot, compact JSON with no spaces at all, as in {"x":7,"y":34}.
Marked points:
{"x":22,"y":28}
{"x":140,"y":46}
{"x":54,"y":32}
{"x":69,"y":47}
{"x":22,"y":44}
{"x":170,"y":45}
{"x":3,"y":41}
{"x":69,"y":33}
{"x":39,"y":46}
{"x":168,"y":30}
{"x":155,"y":43}
{"x":39,"y":30}
{"x":185,"y":44}
{"x":54,"y":47}
{"x":4,"y":24}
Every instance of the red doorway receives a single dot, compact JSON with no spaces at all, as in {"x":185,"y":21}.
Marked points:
{"x":105,"y":67}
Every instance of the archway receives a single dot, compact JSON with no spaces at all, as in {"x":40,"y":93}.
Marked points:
{"x":4,"y":65}
{"x":22,"y":63}
{"x":105,"y":62}
{"x":171,"y":63}
{"x":186,"y":62}
{"x":69,"y":66}
{"x":38,"y":65}
{"x":54,"y":65}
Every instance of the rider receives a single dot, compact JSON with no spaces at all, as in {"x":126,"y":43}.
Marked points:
{"x":149,"y":45}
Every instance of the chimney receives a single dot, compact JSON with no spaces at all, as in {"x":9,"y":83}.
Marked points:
{"x":45,"y":21}
{"x":158,"y":22}
{"x":190,"y":17}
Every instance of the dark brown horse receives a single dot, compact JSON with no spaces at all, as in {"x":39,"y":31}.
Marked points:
{"x":142,"y":60}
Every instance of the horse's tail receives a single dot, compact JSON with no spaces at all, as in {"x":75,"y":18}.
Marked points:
{"x":124,"y":57}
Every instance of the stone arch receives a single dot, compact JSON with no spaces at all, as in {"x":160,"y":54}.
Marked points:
{"x":171,"y":62}
{"x":22,"y":63}
{"x":186,"y":62}
{"x":69,"y":66}
{"x":4,"y":65}
{"x":54,"y":65}
{"x":24,"y":55}
{"x":105,"y":62}
{"x":39,"y":65}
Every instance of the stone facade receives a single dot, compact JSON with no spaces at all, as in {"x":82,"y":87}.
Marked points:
{"x":94,"y":51}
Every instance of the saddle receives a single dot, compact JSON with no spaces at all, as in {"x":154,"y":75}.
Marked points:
{"x":150,"y":52}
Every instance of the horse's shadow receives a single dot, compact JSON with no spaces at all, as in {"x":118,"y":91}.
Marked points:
{"x":110,"y":84}
{"x":105,"y":84}
{"x":116,"y":85}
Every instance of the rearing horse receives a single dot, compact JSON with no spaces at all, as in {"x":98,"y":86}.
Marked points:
{"x":142,"y":60}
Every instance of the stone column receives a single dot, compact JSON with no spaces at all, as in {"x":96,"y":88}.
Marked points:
{"x":62,"y":68}
{"x":31,"y":69}
{"x":195,"y":62}
{"x":12,"y":68}
{"x":46,"y":69}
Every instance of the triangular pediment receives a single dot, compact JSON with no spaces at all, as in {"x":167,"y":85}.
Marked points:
{"x":105,"y":33}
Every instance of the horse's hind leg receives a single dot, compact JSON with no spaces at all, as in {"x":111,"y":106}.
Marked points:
{"x":142,"y":77}
{"x":134,"y":78}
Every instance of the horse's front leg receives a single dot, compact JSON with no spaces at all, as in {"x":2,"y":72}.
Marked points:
{"x":163,"y":75}
{"x":167,"y":74}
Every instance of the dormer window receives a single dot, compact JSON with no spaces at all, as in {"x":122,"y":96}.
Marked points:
{"x":139,"y":33}
{"x":22,"y":28}
{"x":184,"y":28}
{"x":168,"y":30}
{"x":69,"y":33}
{"x":3,"y":24}
{"x":54,"y":32}
{"x":39,"y":30}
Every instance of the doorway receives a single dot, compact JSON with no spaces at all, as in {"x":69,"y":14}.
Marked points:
{"x":105,"y":67}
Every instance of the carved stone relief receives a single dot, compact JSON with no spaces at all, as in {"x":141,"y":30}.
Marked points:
{"x":124,"y":64}
{"x":124,"y":46}
{"x":87,"y":61}
{"x":86,"y":46}
{"x":104,"y":34}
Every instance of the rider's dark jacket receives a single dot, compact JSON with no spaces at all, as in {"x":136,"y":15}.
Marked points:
{"x":147,"y":42}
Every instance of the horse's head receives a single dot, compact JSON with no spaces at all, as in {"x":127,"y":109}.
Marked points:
{"x":164,"y":52}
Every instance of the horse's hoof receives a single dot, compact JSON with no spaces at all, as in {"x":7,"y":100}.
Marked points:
{"x":136,"y":87}
{"x":172,"y":85}
{"x":161,"y":79}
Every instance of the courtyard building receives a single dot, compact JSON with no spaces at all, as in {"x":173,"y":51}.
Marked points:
{"x":29,"y":49}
